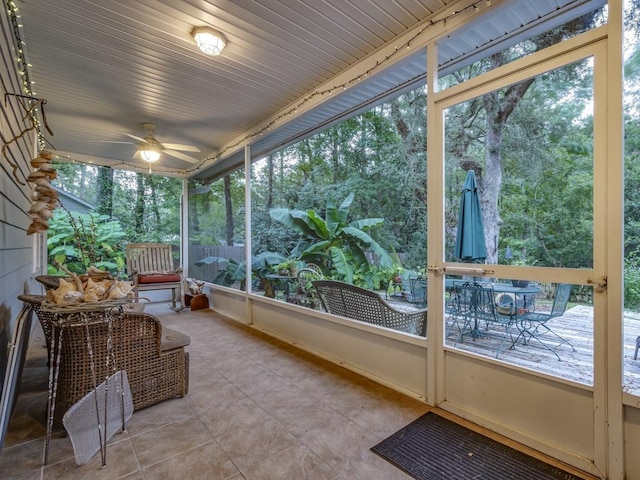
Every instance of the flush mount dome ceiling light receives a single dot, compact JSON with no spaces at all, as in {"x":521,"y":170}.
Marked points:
{"x":209,"y":41}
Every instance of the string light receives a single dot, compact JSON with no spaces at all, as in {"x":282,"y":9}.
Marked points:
{"x":333,"y":88}
{"x":24,"y":72}
{"x":24,"y":66}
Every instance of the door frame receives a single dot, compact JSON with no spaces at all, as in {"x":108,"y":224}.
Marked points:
{"x":441,"y":359}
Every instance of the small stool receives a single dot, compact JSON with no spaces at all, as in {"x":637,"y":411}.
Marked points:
{"x":635,"y":355}
{"x":196,"y":302}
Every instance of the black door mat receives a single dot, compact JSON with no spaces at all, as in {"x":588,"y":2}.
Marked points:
{"x":434,"y":448}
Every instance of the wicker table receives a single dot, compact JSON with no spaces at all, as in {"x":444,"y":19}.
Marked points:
{"x":85,"y":315}
{"x":55,"y":320}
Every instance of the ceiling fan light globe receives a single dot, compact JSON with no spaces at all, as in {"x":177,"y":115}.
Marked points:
{"x":209,"y":41}
{"x":150,"y":155}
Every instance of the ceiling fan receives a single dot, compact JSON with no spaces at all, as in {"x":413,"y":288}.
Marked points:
{"x":149,"y":148}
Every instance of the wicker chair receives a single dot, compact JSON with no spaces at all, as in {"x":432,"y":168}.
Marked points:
{"x":154,"y":358}
{"x":357,"y":303}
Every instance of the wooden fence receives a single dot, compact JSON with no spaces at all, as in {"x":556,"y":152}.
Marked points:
{"x":208,"y":272}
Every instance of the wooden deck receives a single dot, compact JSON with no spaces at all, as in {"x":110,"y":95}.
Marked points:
{"x":576,"y":325}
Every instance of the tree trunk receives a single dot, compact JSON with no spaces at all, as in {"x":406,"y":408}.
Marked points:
{"x":139,"y":206}
{"x":194,"y":219}
{"x":104,"y":196}
{"x":228,"y":209}
{"x":490,"y":181}
{"x":335,"y":155}
{"x":155,"y":210}
{"x":269,"y":202}
{"x":416,"y":144}
{"x":281,"y":154}
{"x":82,"y":181}
{"x":498,"y":107}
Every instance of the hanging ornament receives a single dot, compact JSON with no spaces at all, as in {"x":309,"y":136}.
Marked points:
{"x":45,"y":198}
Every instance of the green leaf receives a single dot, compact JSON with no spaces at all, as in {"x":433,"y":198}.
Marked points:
{"x":69,"y":250}
{"x":318,"y":225}
{"x":108,"y":266}
{"x":385,"y":258}
{"x":82,"y":240}
{"x":357,"y":234}
{"x":359,"y":258}
{"x":59,"y":258}
{"x":367,"y":223}
{"x":316,"y":248}
{"x":333,"y":218}
{"x":341,"y":261}
{"x":237,"y":270}
{"x":209,"y":260}
{"x":269,"y":258}
{"x":343,"y":211}
{"x":386,"y":261}
{"x":281,"y":215}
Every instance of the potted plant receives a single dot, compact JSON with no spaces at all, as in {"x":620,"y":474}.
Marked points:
{"x":289,"y":267}
{"x":394,"y":285}
{"x":397,"y":274}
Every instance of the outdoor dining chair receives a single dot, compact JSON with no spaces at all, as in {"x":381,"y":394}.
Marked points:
{"x":534,"y":325}
{"x":418,"y":291}
{"x":452,"y":316}
{"x":476,"y":304}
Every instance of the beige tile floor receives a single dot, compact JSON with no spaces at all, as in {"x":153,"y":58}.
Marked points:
{"x":256,"y":409}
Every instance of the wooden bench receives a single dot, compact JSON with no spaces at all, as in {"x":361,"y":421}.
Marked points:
{"x":151,"y":267}
{"x":346,"y":300}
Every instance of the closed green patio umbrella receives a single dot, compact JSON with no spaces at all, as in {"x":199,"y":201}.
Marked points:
{"x":470,"y":245}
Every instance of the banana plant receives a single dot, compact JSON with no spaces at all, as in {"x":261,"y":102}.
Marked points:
{"x":334,"y":240}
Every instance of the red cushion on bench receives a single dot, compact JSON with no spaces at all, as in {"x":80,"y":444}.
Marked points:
{"x":159,"y":278}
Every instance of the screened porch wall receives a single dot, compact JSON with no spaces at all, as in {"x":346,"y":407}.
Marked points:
{"x":487,"y":400}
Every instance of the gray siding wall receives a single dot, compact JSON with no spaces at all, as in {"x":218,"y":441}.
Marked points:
{"x":16,"y":248}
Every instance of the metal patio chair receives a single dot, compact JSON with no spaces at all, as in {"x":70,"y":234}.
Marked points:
{"x":476,"y":304}
{"x":534,"y":325}
{"x":418,"y":291}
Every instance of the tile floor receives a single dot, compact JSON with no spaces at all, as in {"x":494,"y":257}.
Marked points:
{"x":257,"y":409}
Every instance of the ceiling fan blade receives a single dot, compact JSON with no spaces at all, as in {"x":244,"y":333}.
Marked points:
{"x":181,"y":156}
{"x":179,"y":146}
{"x":140,"y":139}
{"x":113,"y":141}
